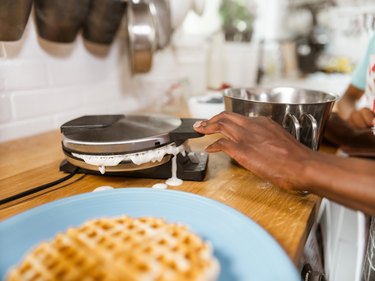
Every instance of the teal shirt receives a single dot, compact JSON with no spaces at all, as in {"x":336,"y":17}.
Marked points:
{"x":360,"y":73}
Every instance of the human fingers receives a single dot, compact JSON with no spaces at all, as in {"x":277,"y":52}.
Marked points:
{"x":234,"y":117}
{"x":219,"y":145}
{"x":231,"y":148}
{"x":241,"y":120}
{"x":223,"y":125}
{"x":357,"y":120}
{"x":368,"y":116}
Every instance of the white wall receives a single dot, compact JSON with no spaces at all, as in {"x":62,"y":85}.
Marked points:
{"x":44,"y":84}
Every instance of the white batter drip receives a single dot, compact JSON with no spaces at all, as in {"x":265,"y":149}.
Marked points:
{"x":174,"y":181}
{"x":102,"y":188}
{"x":138,"y":158}
{"x":160,"y":186}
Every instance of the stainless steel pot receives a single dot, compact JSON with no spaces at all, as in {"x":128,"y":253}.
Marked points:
{"x":303,"y":113}
{"x":161,"y":12}
{"x":141,"y":35}
{"x":103,"y":20}
{"x":13,"y":18}
{"x":60,"y":21}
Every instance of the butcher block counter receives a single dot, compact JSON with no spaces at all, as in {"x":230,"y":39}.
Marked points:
{"x":29,"y":162}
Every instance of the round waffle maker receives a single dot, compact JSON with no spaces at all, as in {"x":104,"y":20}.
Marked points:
{"x":109,"y":143}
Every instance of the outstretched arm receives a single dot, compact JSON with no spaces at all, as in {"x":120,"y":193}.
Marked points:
{"x":263,"y":147}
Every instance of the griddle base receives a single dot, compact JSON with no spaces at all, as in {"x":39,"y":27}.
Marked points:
{"x":191,"y":167}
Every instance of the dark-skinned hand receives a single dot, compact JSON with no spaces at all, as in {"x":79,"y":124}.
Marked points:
{"x":362,"y":119}
{"x":355,"y":142}
{"x":260,"y":145}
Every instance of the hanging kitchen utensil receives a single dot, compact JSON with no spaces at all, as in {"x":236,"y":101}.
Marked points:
{"x":13,"y":18}
{"x":161,"y":12}
{"x":141,"y":35}
{"x":103,"y":20}
{"x":60,"y":21}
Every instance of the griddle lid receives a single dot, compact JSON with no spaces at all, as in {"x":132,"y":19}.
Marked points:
{"x":124,"y":134}
{"x":90,"y":121}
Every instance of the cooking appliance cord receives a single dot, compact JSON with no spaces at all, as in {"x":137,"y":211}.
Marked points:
{"x":37,"y":189}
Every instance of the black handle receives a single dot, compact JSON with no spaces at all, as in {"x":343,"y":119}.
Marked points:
{"x":185,"y":131}
{"x":89,"y":122}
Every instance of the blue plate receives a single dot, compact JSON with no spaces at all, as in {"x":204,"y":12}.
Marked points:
{"x":245,"y":251}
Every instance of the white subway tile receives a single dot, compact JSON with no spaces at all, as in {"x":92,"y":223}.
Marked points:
{"x":65,"y":116}
{"x":62,"y":73}
{"x":26,"y":47}
{"x":23,"y":74}
{"x":101,"y":93}
{"x":112,"y":106}
{"x":3,"y":53}
{"x":42,"y":102}
{"x":44,"y":84}
{"x":5,"y":109}
{"x":55,"y":50}
{"x":79,"y":71}
{"x":90,"y":51}
{"x":32,"y":46}
{"x":61,"y":118}
{"x":18,"y":129}
{"x":2,"y":84}
{"x":128,"y":104}
{"x":121,"y":106}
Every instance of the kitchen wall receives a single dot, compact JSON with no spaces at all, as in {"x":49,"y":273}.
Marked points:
{"x":340,"y":27}
{"x":44,"y":84}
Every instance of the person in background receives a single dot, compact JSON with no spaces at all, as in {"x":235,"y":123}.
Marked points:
{"x":266,"y":149}
{"x":363,"y":83}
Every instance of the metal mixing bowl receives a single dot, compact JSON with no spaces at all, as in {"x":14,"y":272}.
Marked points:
{"x":303,"y":113}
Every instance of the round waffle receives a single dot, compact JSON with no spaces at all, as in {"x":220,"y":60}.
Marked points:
{"x":121,"y":248}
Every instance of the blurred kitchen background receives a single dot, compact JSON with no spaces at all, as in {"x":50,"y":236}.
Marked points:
{"x":213,"y":44}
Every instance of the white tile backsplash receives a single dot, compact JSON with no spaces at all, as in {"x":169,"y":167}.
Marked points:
{"x":2,"y":84}
{"x":23,"y":74}
{"x":67,"y":115}
{"x":5,"y":109}
{"x":27,"y":47}
{"x":102,"y":93}
{"x":44,"y":102}
{"x":82,"y":69}
{"x":119,"y":106}
{"x":123,"y":106}
{"x":44,"y":84}
{"x":18,"y":129}
{"x":2,"y":52}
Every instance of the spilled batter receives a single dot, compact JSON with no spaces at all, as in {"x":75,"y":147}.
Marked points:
{"x":139,"y":158}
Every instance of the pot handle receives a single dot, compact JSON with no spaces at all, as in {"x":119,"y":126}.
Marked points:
{"x":314,"y":126}
{"x":185,"y":130}
{"x":295,"y":122}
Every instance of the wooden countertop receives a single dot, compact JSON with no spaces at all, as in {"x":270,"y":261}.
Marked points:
{"x":33,"y":161}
